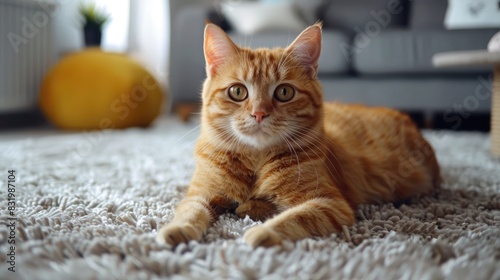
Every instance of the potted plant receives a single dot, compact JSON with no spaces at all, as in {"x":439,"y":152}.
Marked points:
{"x":94,"y":19}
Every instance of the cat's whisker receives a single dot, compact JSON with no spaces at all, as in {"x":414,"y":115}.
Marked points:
{"x":315,"y":169}
{"x":338,"y":177}
{"x":283,"y":63}
{"x":186,"y":134}
{"x":319,"y":141}
{"x":221,"y":141}
{"x":249,"y":43}
{"x":217,"y":137}
{"x":296,"y":156}
{"x":280,"y":62}
{"x":337,"y":147}
{"x":226,"y":145}
{"x":191,"y":161}
{"x":323,"y":137}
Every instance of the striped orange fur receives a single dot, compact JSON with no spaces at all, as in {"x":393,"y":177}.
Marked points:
{"x":271,"y":149}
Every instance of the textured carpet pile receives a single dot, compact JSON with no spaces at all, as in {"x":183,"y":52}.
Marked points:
{"x":89,"y":206}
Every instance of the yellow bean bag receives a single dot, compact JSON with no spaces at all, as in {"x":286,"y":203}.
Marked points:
{"x":98,"y":90}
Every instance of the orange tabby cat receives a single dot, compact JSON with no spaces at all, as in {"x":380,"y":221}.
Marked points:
{"x":271,"y":149}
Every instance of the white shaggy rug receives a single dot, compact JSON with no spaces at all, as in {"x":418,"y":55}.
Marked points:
{"x":88,"y":206}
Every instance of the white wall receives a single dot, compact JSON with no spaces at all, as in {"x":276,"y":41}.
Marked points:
{"x":67,"y":27}
{"x":149,"y":35}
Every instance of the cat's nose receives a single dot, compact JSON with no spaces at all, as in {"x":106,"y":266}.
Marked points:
{"x":259,"y":116}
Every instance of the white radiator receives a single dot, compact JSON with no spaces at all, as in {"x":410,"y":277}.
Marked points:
{"x":26,"y":52}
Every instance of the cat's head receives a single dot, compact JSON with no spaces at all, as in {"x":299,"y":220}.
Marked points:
{"x":262,"y":97}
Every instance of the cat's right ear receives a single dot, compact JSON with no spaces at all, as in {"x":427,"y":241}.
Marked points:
{"x":218,"y":48}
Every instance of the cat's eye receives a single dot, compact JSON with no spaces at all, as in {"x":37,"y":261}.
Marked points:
{"x":284,"y":93}
{"x":238,"y":93}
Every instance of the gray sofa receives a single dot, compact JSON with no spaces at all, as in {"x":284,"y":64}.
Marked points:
{"x":389,"y":67}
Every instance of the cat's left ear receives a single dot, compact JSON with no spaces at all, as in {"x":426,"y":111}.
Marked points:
{"x":307,"y":47}
{"x":218,"y":48}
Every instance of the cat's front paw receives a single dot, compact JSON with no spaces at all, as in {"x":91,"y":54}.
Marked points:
{"x":174,"y":234}
{"x":262,"y":236}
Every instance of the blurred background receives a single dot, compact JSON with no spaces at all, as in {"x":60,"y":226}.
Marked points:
{"x":79,"y":64}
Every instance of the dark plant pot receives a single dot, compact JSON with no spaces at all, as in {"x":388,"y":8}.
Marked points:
{"x":92,"y":34}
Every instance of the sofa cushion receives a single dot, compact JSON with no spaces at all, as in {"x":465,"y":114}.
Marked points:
{"x":331,"y":61}
{"x":256,"y":17}
{"x":403,"y":52}
{"x":353,"y":15}
{"x":472,"y":14}
{"x":428,"y":14}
